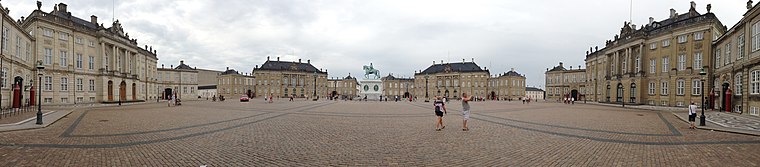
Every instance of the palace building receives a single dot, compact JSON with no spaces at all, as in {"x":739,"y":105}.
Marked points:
{"x":84,"y":61}
{"x":451,"y":80}
{"x":285,"y":78}
{"x":736,"y":78}
{"x":343,"y":88}
{"x":656,"y":64}
{"x":231,"y":84}
{"x":509,"y":85}
{"x":565,"y":83}
{"x":181,"y":81}
{"x":397,"y":86}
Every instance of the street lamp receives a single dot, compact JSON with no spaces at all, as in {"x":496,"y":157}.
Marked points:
{"x":702,"y":79}
{"x":40,"y":67}
{"x":426,"y":88}
{"x":315,"y":86}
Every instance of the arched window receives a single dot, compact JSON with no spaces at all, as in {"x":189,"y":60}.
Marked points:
{"x":619,"y":93}
{"x":633,"y":93}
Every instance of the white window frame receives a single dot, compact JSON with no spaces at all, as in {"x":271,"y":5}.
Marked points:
{"x":652,"y":66}
{"x":697,"y":64}
{"x":738,"y":84}
{"x":664,"y":88}
{"x":682,"y":39}
{"x":64,"y":84}
{"x":681,"y":62}
{"x":680,"y":84}
{"x":665,"y":43}
{"x":755,"y":82}
{"x":699,"y":36}
{"x":696,"y":87}
{"x":653,"y":46}
{"x":652,"y":88}
{"x":665,"y":64}
{"x":63,"y":36}
{"x":64,"y":58}
{"x":79,"y":83}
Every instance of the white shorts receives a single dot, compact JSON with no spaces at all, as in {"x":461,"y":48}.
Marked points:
{"x":466,"y":114}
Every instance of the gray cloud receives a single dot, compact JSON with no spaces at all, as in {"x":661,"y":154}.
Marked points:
{"x":397,"y":36}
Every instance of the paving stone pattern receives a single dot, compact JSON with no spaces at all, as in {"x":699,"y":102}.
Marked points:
{"x":345,"y":133}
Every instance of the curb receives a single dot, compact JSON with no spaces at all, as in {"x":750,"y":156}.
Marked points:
{"x":39,"y":126}
{"x":717,"y":129}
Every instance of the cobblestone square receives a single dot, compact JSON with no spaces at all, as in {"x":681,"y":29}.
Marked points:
{"x":352,"y":133}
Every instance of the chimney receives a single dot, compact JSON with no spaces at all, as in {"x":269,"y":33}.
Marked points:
{"x":441,"y":61}
{"x":473,"y":60}
{"x":94,"y":19}
{"x":257,"y":66}
{"x":171,"y":66}
{"x":299,"y":60}
{"x":433,"y":62}
{"x":267,"y":58}
{"x":62,"y":7}
{"x":162,"y":66}
{"x":462,"y":60}
{"x":308,"y":61}
{"x":560,"y":64}
{"x":278,"y":58}
{"x":512,"y":69}
{"x":181,"y":62}
{"x":673,"y":13}
{"x":228,"y":68}
{"x":651,"y":20}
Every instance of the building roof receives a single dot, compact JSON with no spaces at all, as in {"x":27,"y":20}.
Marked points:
{"x":229,"y":71}
{"x":391,"y":77}
{"x":511,"y":73}
{"x":453,"y":67}
{"x":558,"y":68}
{"x":533,"y":89}
{"x":183,"y":66}
{"x":206,"y":87}
{"x":289,"y":66}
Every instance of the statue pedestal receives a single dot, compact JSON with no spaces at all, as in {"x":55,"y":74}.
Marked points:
{"x":372,"y":89}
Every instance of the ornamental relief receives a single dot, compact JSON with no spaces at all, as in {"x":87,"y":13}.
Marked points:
{"x":681,"y":48}
{"x":698,"y":45}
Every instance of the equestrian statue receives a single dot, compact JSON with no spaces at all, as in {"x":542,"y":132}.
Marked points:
{"x":371,"y":70}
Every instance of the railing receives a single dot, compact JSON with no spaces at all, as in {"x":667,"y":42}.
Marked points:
{"x":10,"y":112}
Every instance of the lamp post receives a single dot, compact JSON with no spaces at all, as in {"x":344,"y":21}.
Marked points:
{"x":40,"y":67}
{"x":315,"y":86}
{"x":426,"y":88}
{"x":702,"y":80}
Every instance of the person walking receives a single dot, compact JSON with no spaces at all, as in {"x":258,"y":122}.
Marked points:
{"x":465,"y":110}
{"x":692,"y":115}
{"x":270,"y":97}
{"x":440,"y":109}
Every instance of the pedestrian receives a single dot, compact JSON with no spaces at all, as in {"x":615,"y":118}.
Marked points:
{"x":572,"y":100}
{"x":692,"y":115}
{"x":440,"y":109}
{"x":465,"y":110}
{"x":169,"y":99}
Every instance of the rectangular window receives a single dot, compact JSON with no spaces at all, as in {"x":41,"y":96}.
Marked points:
{"x":682,"y":39}
{"x":753,"y":111}
{"x":679,"y":87}
{"x":755,"y":82}
{"x":756,"y":37}
{"x":48,"y":83}
{"x":653,"y":46}
{"x":64,"y":100}
{"x":18,"y":47}
{"x":699,"y":36}
{"x":92,"y":85}
{"x":79,"y":61}
{"x":92,"y":99}
{"x":47,"y":32}
{"x":80,"y":99}
{"x":652,"y":65}
{"x":63,"y":36}
{"x":728,"y":54}
{"x":48,"y":100}
{"x":91,"y":63}
{"x":4,"y":75}
{"x":48,"y":56}
{"x":652,"y":87}
{"x":666,"y":43}
{"x":696,"y":87}
{"x":697,"y":61}
{"x":79,"y":84}
{"x":738,"y":84}
{"x":638,"y":64}
{"x":682,"y":62}
{"x":78,"y":40}
{"x":5,"y":38}
{"x":64,"y":84}
{"x":665,"y":65}
{"x":64,"y":58}
{"x":664,"y":88}
{"x":92,"y":43}
{"x":740,"y":46}
{"x":717,"y":58}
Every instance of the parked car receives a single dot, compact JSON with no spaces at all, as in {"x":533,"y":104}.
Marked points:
{"x":244,"y":99}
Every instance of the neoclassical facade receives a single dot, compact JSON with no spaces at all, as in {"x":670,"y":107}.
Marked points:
{"x":84,"y":61}
{"x":451,"y":80}
{"x":286,"y":78}
{"x":509,"y":85}
{"x":232,"y":85}
{"x":397,"y":86}
{"x":343,"y":88}
{"x":736,"y":80}
{"x":181,"y":81}
{"x":562,"y":83}
{"x":657,"y":64}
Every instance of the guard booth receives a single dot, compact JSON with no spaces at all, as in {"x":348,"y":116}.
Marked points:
{"x":17,"y":95}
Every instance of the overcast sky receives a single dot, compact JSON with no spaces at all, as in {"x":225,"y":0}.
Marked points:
{"x":399,"y":37}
